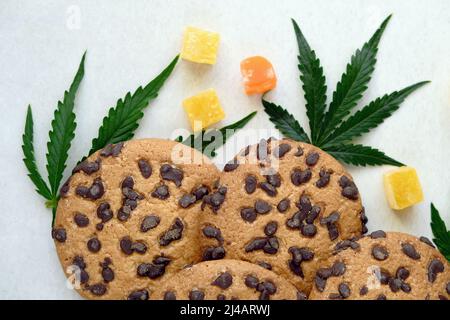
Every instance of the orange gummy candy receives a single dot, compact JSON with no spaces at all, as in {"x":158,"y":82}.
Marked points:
{"x":258,"y":73}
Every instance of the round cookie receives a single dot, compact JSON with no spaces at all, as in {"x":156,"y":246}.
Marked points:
{"x":287,"y":204}
{"x":226,"y":280}
{"x":384,"y":265}
{"x":127,"y":217}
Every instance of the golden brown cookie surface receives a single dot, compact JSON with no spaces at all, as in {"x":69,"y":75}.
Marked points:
{"x":226,"y":280}
{"x":128,"y":217}
{"x":287,"y":205}
{"x":384,"y":265}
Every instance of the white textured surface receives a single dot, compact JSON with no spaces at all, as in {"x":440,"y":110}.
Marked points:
{"x":129,"y":42}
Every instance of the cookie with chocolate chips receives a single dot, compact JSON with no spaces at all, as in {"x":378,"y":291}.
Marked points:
{"x":127,"y":217}
{"x":384,"y":265}
{"x":287,"y":205}
{"x":226,"y":280}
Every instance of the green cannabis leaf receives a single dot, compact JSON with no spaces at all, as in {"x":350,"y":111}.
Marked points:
{"x":206,"y":141}
{"x":60,"y":137}
{"x":311,"y":75}
{"x":122,"y":120}
{"x":334,"y":128}
{"x":440,"y":233}
{"x":353,"y":83}
{"x":29,"y":159}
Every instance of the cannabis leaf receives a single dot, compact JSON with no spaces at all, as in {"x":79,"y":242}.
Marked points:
{"x":311,"y":75}
{"x":334,"y":128}
{"x":370,"y":116}
{"x":123,"y":119}
{"x":207,"y":141}
{"x":353,"y":83}
{"x":60,"y":137}
{"x":359,"y":155}
{"x":62,"y":133}
{"x":285,"y":122}
{"x":29,"y":159}
{"x":440,"y":233}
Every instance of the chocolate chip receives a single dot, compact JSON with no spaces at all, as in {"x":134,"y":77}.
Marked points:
{"x":299,"y":152}
{"x":196,"y":295}
{"x":363,"y":291}
{"x":395,"y":284}
{"x":215,"y":199}
{"x":345,"y":244}
{"x":349,"y":189}
{"x":107,"y":274}
{"x":324,"y":179}
{"x":125,"y":245}
{"x":187,"y":200}
{"x":271,"y":228}
{"x":298,"y":256}
{"x":268,"y":189}
{"x":330,"y":222}
{"x":94,"y":245}
{"x":79,"y":262}
{"x":161,"y":192}
{"x":312,"y":158}
{"x":94,"y":192}
{"x":338,"y":268}
{"x":221,"y":297}
{"x":200,"y":192}
{"x":308,"y":230}
{"x":256,"y":244}
{"x":98,"y":289}
{"x":441,"y":297}
{"x":139,"y":247}
{"x":283,"y":205}
{"x":281,"y":150}
{"x":251,"y":281}
{"x":262,"y":207}
{"x":344,"y":290}
{"x":87,"y":167}
{"x":271,"y":246}
{"x":231,"y":166}
{"x":447,"y":287}
{"x":320,"y":283}
{"x":427,"y":241}
{"x":112,"y":150}
{"x":59,"y":234}
{"x":313,"y":214}
{"x":378,"y":234}
{"x":169,"y":295}
{"x":380,"y":253}
{"x":410,"y":251}
{"x":248,"y":214}
{"x":213,"y":253}
{"x":384,"y":276}
{"x":104,"y":212}
{"x":274,"y":180}
{"x":434,"y":267}
{"x":402,"y":273}
{"x":250,"y":184}
{"x":296,"y":220}
{"x":299,"y":177}
{"x":64,"y":189}
{"x":81,"y":220}
{"x":150,"y":222}
{"x":124,"y":213}
{"x":138,"y":295}
{"x":364,"y":220}
{"x":265,"y":265}
{"x":301,"y":296}
{"x":213,"y":232}
{"x":145,"y":168}
{"x":171,"y":174}
{"x":381,"y":297}
{"x":175,"y":232}
{"x":224,"y":281}
{"x":155,"y":269}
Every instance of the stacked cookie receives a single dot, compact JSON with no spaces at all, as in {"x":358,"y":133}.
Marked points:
{"x":143,"y":220}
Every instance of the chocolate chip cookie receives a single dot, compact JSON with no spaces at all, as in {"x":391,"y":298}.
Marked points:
{"x":226,"y":280}
{"x":127,"y":217}
{"x":286,"y":206}
{"x":384,"y":265}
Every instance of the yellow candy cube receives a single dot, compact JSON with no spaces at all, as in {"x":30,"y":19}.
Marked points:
{"x":200,"y":46}
{"x":402,"y":187}
{"x":203,"y":109}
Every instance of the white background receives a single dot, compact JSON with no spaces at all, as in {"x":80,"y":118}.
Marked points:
{"x":129,"y":42}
